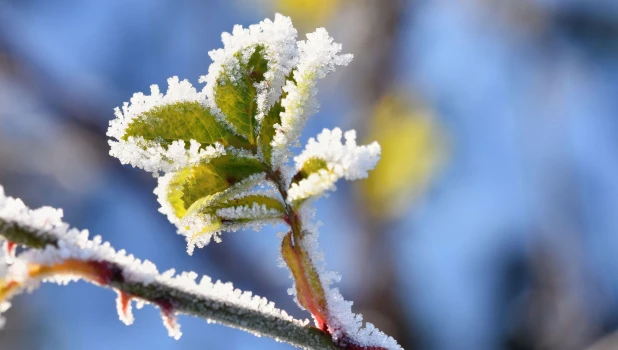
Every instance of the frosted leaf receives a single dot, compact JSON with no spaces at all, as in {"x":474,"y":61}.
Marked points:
{"x":200,"y":226}
{"x":154,"y":158}
{"x":339,"y":160}
{"x":151,"y":155}
{"x":278,"y":40}
{"x":177,"y":91}
{"x":318,"y":56}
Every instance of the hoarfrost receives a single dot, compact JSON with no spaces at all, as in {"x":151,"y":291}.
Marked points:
{"x":344,"y":325}
{"x":278,"y":40}
{"x":348,"y":161}
{"x":150,"y":155}
{"x":318,"y":56}
{"x":73,"y":244}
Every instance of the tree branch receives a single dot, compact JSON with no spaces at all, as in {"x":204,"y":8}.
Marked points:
{"x":186,"y":303}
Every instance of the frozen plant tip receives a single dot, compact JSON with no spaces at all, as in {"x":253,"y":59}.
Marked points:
{"x":222,"y":158}
{"x":326,"y":160}
{"x":221,"y":152}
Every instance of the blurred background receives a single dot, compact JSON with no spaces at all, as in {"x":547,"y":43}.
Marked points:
{"x":490,"y":223}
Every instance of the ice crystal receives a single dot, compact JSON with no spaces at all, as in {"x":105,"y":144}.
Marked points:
{"x":347,"y":161}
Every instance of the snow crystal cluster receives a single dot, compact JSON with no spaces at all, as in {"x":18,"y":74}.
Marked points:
{"x":73,"y":244}
{"x":347,"y":161}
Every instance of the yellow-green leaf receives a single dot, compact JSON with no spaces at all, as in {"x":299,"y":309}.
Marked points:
{"x":236,"y":93}
{"x":310,"y":166}
{"x":205,"y":180}
{"x":186,"y":121}
{"x":208,"y":206}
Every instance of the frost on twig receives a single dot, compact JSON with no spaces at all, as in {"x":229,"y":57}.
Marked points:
{"x":138,"y":129}
{"x":345,"y":326}
{"x":70,"y":256}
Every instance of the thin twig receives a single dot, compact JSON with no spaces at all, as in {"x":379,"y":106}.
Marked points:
{"x":185,"y":303}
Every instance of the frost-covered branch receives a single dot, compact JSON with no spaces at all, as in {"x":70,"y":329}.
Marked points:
{"x":61,"y":255}
{"x":222,"y":158}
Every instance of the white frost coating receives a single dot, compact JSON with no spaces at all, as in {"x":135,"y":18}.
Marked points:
{"x":343,"y":324}
{"x":255,"y":211}
{"x":177,"y":91}
{"x":199,"y":228}
{"x":259,"y":216}
{"x":153,"y":157}
{"x":278,"y":38}
{"x":74,"y":244}
{"x":318,"y":56}
{"x":125,"y":313}
{"x":150,"y":155}
{"x":348,"y":161}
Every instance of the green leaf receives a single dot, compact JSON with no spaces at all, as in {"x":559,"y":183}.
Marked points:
{"x":310,"y":166}
{"x":186,"y":121}
{"x":209,"y":205}
{"x":250,"y":200}
{"x":267,"y":129}
{"x":206,"y":180}
{"x":237,"y":97}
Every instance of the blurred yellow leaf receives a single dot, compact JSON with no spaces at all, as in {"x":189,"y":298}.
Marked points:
{"x":308,"y":13}
{"x":412,"y":148}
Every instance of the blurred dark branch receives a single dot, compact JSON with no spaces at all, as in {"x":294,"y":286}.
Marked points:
{"x":374,"y":74}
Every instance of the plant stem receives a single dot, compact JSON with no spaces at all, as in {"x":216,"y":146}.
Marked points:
{"x":309,"y":289}
{"x":186,"y":303}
